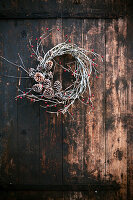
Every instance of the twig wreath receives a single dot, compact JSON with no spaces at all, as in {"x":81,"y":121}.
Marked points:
{"x":51,"y":92}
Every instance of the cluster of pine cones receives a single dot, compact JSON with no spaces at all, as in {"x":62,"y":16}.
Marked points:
{"x":44,"y":80}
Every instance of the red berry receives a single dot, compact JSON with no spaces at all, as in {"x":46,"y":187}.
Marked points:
{"x":60,"y":63}
{"x":36,"y":38}
{"x":93,"y":107}
{"x":93,"y":59}
{"x":47,"y":105}
{"x":32,"y":46}
{"x":55,"y":106}
{"x":102,"y":56}
{"x":31,"y":56}
{"x":45,"y":102}
{"x":96,"y":76}
{"x":58,"y":29}
{"x":88,"y":74}
{"x":47,"y":29}
{"x":66,"y":35}
{"x":72,"y":74}
{"x":65,"y":70}
{"x":75,"y":71}
{"x":72,"y":113}
{"x":32,"y":53}
{"x":31,"y":100}
{"x":69,"y":40}
{"x":87,"y":102}
{"x":82,"y":99}
{"x":18,"y":97}
{"x":92,"y":50}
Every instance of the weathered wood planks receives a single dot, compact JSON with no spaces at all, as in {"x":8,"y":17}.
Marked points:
{"x":62,"y":8}
{"x":50,"y":124}
{"x":73,"y":141}
{"x":94,"y":144}
{"x":116,"y":101}
{"x":129,"y":117}
{"x":8,"y":108}
{"x":42,"y":149}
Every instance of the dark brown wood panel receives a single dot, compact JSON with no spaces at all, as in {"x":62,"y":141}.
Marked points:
{"x":83,"y":137}
{"x":62,"y":8}
{"x":129,"y":117}
{"x":51,"y":124}
{"x":73,"y":128}
{"x":63,"y":195}
{"x":94,"y":144}
{"x":8,"y":109}
{"x":42,"y":151}
{"x":28,"y":113}
{"x":116,"y":101}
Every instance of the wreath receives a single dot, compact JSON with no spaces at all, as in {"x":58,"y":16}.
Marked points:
{"x":54,"y":97}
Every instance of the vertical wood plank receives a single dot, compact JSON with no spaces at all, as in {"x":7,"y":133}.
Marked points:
{"x":28,"y":113}
{"x":73,"y":129}
{"x":94,"y":145}
{"x":50,"y":124}
{"x":8,"y":106}
{"x":116,"y":102}
{"x":129,"y":118}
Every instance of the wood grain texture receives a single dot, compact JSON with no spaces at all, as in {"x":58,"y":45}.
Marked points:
{"x":28,"y":114}
{"x":94,"y":144}
{"x":42,"y":151}
{"x":62,"y":8}
{"x":50,"y":124}
{"x":116,"y":101}
{"x":73,"y":129}
{"x":129,"y":118}
{"x":62,"y":195}
{"x":8,"y":107}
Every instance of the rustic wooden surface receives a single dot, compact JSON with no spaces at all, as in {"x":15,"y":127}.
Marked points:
{"x":92,"y":154}
{"x":62,"y":8}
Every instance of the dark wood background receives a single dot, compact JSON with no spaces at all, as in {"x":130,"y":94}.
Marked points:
{"x":92,"y":156}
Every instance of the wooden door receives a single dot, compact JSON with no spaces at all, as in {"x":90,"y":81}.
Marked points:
{"x":91,"y":154}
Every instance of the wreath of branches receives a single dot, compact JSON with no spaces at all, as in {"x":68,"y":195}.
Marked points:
{"x":45,"y":89}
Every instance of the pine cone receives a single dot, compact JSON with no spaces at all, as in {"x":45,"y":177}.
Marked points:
{"x":39,"y":77}
{"x":57,"y":86}
{"x":48,"y":93}
{"x":47,"y":83}
{"x":48,"y":65}
{"x":37,"y":88}
{"x":32,"y":72}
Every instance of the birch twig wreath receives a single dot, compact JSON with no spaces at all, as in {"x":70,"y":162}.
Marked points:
{"x":54,"y":97}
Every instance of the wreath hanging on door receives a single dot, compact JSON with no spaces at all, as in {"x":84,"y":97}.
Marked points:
{"x":57,"y":99}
